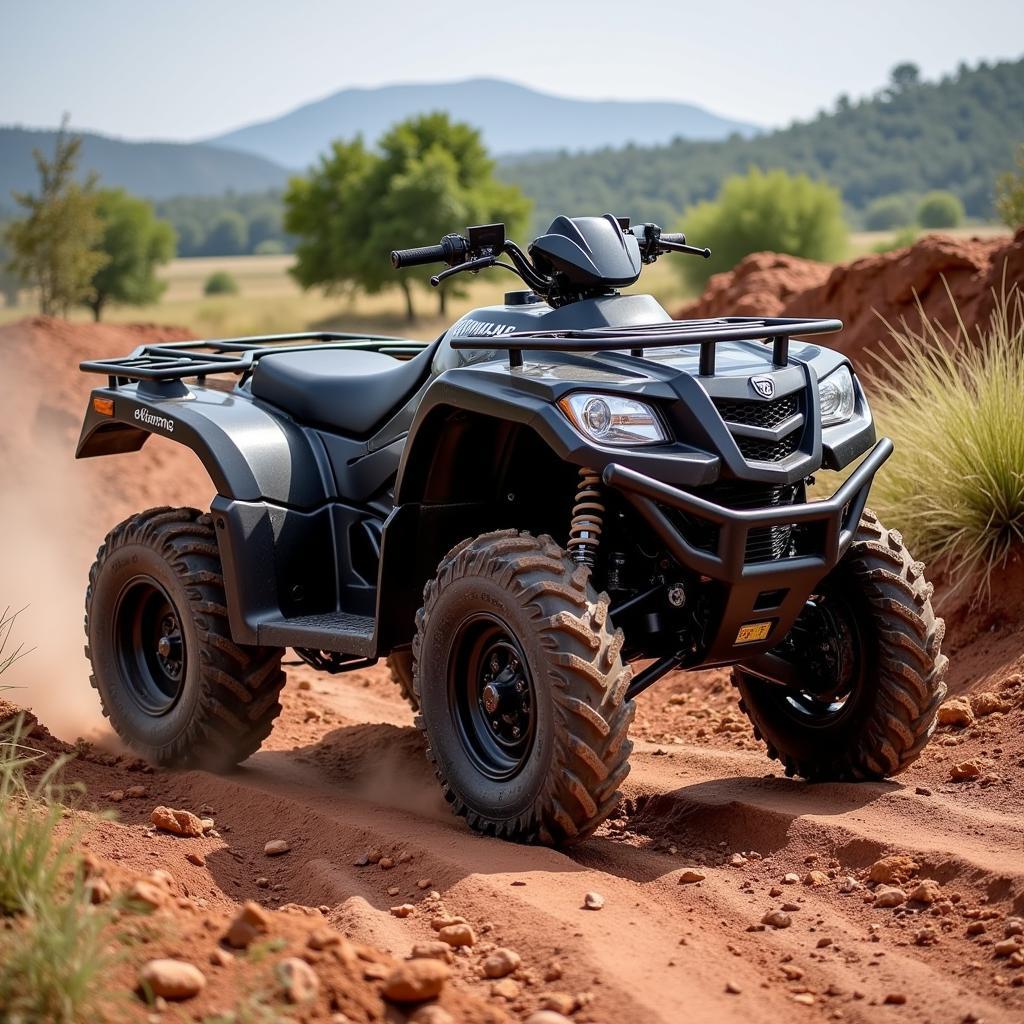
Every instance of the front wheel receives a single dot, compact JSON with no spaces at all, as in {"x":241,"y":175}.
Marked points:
{"x":867,"y":648}
{"x":521,"y":688}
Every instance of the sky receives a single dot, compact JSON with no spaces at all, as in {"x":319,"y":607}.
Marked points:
{"x":190,"y":69}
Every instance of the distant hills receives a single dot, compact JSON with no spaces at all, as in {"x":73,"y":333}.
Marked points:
{"x":512,"y":119}
{"x":156,"y":170}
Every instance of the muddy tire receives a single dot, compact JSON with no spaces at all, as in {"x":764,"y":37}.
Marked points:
{"x":174,"y":685}
{"x":400,"y":667}
{"x":889,"y":713}
{"x":522,"y":690}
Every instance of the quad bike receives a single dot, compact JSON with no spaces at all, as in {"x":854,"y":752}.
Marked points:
{"x":534,"y":518}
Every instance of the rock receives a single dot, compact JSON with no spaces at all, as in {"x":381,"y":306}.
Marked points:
{"x":147,"y":893}
{"x":1014,"y":926}
{"x":737,"y":860}
{"x":423,"y":883}
{"x":895,"y":868}
{"x":251,"y":922}
{"x":457,"y":935}
{"x":415,"y":981}
{"x":1006,"y":947}
{"x":559,"y":1002}
{"x":162,"y":877}
{"x":297,"y":980}
{"x":553,"y":971}
{"x":791,"y":973}
{"x":890,"y":897}
{"x":115,"y":796}
{"x":443,"y":922}
{"x":926,"y":891}
{"x":922,"y":791}
{"x":988,"y":704}
{"x":323,"y":938}
{"x":823,"y":942}
{"x":547,"y":1017}
{"x":501,"y":962}
{"x":964,"y":770}
{"x":806,"y":998}
{"x":775,"y":892}
{"x":432,"y":951}
{"x":977,"y":928}
{"x":732,"y":988}
{"x":98,"y":889}
{"x":791,"y":878}
{"x":136,"y":792}
{"x":430,"y":1013}
{"x":691,"y":875}
{"x":593,"y":901}
{"x":926,"y":936}
{"x":221,"y":957}
{"x":506,"y":988}
{"x":956,"y":712}
{"x":816,"y":878}
{"x":276,"y":847}
{"x":373,"y":856}
{"x":179,"y":823}
{"x":403,"y":911}
{"x":386,"y":863}
{"x":171,"y":979}
{"x":895,"y":999}
{"x":849,"y":884}
{"x":196,"y":858}
{"x":777,"y":919}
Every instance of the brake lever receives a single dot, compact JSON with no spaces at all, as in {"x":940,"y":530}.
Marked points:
{"x":481,"y":263}
{"x":679,"y":247}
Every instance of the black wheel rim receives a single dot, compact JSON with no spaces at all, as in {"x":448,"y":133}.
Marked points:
{"x":151,"y":649}
{"x":827,"y":640}
{"x":491,"y":696}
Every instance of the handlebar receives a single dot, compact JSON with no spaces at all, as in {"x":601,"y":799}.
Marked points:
{"x":417,"y":256}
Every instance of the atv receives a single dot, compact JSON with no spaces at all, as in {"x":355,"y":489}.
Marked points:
{"x":533,"y":518}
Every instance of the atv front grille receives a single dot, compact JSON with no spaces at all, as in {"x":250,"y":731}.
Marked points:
{"x":767,"y":415}
{"x":764,"y":544}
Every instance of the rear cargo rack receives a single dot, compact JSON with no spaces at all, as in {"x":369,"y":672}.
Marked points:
{"x":671,"y":334}
{"x":175,"y":360}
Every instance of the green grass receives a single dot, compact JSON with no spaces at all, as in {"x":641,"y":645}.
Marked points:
{"x":954,"y":405}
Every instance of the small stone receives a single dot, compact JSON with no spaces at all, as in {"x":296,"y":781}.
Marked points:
{"x":775,"y":892}
{"x":791,"y":878}
{"x":964,"y":771}
{"x":956,"y":712}
{"x":691,"y":875}
{"x":424,"y":883}
{"x":506,"y":988}
{"x":501,"y":962}
{"x":297,"y":980}
{"x":593,"y":901}
{"x":457,"y":935}
{"x":415,"y":981}
{"x":926,"y":891}
{"x":553,"y":971}
{"x":849,"y":884}
{"x":892,"y":869}
{"x":895,"y":999}
{"x":805,"y":998}
{"x":737,"y":860}
{"x":1006,"y":947}
{"x":221,"y":957}
{"x":790,"y":908}
{"x":147,"y":893}
{"x":777,"y":919}
{"x":404,"y":910}
{"x":136,"y":792}
{"x":890,"y":898}
{"x":824,"y":942}
{"x":276,"y":847}
{"x":251,"y":922}
{"x":988,"y":704}
{"x":98,"y":889}
{"x":386,"y":863}
{"x":373,"y":856}
{"x":977,"y":928}
{"x":171,"y":979}
{"x":791,"y":973}
{"x":547,"y":1017}
{"x":1014,"y":926}
{"x":115,"y":796}
{"x":816,"y":878}
{"x":305,"y":684}
{"x":393,"y":890}
{"x":922,"y":791}
{"x":429,"y":1013}
{"x":196,"y":858}
{"x":432,"y":951}
{"x":323,"y":938}
{"x":177,"y":822}
{"x":732,"y":988}
{"x":559,"y":1002}
{"x":443,"y":922}
{"x":926,"y":936}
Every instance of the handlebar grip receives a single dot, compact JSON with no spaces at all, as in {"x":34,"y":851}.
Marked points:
{"x":674,"y":236}
{"x":418,"y":256}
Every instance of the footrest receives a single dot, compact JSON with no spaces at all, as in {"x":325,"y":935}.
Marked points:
{"x":332,"y":631}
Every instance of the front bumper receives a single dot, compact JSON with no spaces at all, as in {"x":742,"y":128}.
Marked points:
{"x":762,"y":599}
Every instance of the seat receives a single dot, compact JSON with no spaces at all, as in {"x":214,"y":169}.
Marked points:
{"x":347,"y":389}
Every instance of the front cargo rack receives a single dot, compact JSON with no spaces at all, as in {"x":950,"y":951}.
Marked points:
{"x":671,"y":334}
{"x":175,"y":360}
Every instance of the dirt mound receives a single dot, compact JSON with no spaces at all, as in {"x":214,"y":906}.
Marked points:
{"x":862,"y":291}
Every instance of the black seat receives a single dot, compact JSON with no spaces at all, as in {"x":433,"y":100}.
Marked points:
{"x":348,"y":389}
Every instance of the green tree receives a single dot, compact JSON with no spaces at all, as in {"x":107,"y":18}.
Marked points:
{"x":10,"y":283}
{"x":229,"y":235}
{"x":1010,"y":194}
{"x":758,"y":211}
{"x":220,"y":282}
{"x":888,"y":212}
{"x":54,"y":245}
{"x":940,"y":210}
{"x":135,"y":243}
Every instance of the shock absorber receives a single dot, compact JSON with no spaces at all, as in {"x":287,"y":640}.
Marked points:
{"x":587,"y":519}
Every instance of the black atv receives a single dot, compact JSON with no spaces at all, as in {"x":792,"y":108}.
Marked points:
{"x":535,"y":517}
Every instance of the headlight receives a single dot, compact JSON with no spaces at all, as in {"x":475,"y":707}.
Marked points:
{"x":836,"y":397}
{"x":611,"y":419}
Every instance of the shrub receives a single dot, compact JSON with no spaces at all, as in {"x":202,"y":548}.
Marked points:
{"x":220,"y":282}
{"x":1010,"y":194}
{"x":888,"y":212}
{"x":901,"y":240}
{"x":774,"y":211}
{"x":940,"y":210}
{"x":955,"y":408}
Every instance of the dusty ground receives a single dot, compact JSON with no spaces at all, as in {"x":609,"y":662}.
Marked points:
{"x":344,"y":775}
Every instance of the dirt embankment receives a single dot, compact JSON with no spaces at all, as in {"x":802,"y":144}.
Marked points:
{"x":864,"y":291}
{"x":730,"y":893}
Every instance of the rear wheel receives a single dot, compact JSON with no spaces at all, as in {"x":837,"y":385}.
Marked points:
{"x":400,"y":667}
{"x":867,"y":649}
{"x":522,"y":690}
{"x":174,"y":685}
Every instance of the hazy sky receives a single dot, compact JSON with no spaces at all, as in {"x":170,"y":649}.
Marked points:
{"x":186,"y":69}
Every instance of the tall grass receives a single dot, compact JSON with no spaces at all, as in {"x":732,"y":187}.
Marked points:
{"x":954,"y":405}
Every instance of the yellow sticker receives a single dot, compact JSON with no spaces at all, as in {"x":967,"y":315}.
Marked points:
{"x":753,"y":631}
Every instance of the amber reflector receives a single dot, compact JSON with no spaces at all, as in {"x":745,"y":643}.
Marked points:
{"x":104,"y":406}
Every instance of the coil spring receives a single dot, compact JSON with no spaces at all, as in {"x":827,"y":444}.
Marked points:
{"x":587,"y":519}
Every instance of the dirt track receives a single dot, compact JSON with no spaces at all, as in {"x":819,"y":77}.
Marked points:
{"x":344,"y":772}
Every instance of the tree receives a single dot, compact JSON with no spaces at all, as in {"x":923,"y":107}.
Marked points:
{"x":1010,"y":194}
{"x":904,"y":77}
{"x":757,"y":211}
{"x":940,"y":210}
{"x":229,"y":235}
{"x":430,"y":176}
{"x":888,"y":212}
{"x":220,"y":282}
{"x":135,"y":243}
{"x":54,"y":245}
{"x":10,"y":283}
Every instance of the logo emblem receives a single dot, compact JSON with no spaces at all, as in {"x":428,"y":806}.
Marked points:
{"x":764,"y":386}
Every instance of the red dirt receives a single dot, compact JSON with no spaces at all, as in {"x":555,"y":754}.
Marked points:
{"x":344,"y":773}
{"x":865,"y":290}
